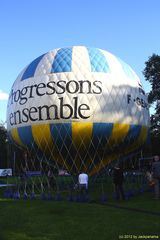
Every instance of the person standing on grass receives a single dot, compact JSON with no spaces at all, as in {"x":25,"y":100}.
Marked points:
{"x":50,"y":178}
{"x":118,"y":179}
{"x":156,"y":176}
{"x":83,"y":182}
{"x":149,"y":174}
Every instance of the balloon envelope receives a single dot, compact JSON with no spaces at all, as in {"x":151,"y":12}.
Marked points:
{"x":80,"y":107}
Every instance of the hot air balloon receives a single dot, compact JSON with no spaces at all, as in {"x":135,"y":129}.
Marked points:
{"x":80,"y":107}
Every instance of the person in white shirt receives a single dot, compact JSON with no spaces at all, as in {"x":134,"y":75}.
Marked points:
{"x":83,"y":181}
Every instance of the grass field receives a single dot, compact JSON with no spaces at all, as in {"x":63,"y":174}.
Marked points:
{"x":51,"y":220}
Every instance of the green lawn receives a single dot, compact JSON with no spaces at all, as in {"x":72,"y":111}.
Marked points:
{"x":49,"y":220}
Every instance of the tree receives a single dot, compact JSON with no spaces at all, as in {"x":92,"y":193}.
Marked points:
{"x":8,"y":150}
{"x":152,"y":74}
{"x":3,"y":146}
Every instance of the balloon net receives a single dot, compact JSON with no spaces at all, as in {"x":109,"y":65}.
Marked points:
{"x":46,"y":174}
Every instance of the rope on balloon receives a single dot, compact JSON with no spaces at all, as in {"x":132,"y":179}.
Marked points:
{"x":39,"y":174}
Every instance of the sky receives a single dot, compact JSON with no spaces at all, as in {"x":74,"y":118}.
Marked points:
{"x":127,"y":28}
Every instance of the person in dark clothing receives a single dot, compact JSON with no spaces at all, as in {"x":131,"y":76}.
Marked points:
{"x":51,"y":179}
{"x":156,"y":176}
{"x":149,"y":174}
{"x":118,"y":179}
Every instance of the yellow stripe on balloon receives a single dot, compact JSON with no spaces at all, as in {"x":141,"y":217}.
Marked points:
{"x":16,"y":137}
{"x":81,"y":138}
{"x":43,"y":138}
{"x":81,"y":132}
{"x":119,"y":132}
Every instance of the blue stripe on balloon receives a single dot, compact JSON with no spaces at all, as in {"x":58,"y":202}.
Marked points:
{"x":132,"y":135}
{"x":98,"y":60}
{"x":101,"y":134}
{"x":25,"y":134}
{"x":62,"y":138}
{"x":29,"y":72}
{"x":62,"y":61}
{"x":127,"y":69}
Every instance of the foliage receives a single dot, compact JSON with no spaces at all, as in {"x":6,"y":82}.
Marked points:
{"x":3,"y":146}
{"x":3,"y":135}
{"x":152,"y":74}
